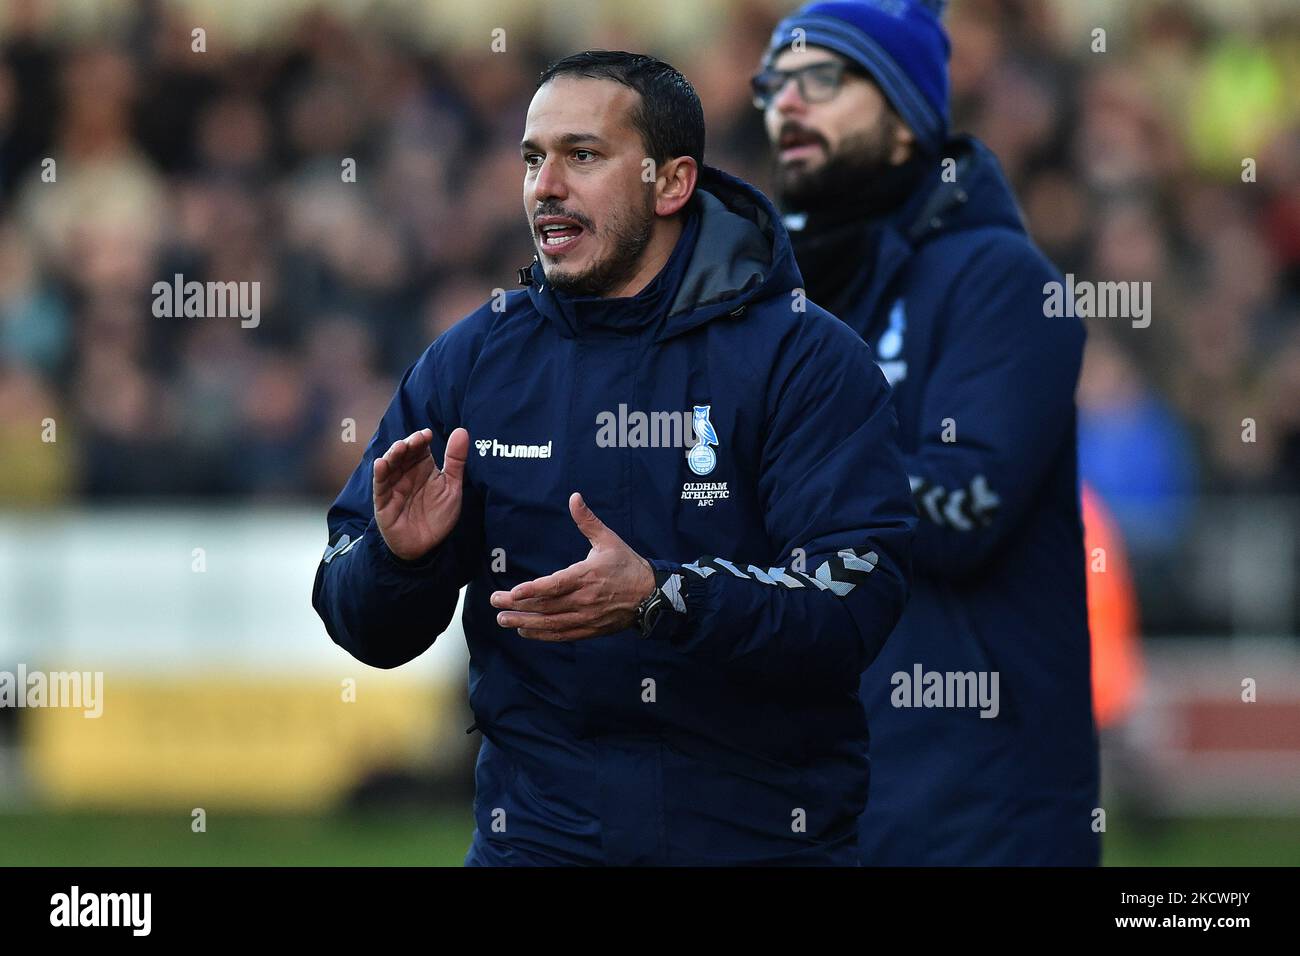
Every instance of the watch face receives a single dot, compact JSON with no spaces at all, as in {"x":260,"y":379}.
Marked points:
{"x":652,"y":612}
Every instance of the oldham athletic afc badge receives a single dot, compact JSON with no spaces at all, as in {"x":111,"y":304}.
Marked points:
{"x":701,"y":457}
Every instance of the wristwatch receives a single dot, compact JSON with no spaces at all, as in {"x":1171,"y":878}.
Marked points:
{"x":652,"y":608}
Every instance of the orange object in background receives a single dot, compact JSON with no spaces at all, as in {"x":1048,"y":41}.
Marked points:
{"x":1117,"y":669}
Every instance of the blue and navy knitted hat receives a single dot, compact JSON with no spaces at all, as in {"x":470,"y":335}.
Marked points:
{"x":900,"y":43}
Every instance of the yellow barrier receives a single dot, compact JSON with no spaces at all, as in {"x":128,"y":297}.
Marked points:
{"x":255,"y":744}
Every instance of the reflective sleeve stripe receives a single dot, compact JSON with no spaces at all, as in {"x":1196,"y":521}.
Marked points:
{"x":839,"y":574}
{"x":963,"y":509}
{"x":342,"y":546}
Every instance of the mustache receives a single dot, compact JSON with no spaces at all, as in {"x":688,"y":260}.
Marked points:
{"x":791,"y":128}
{"x":555,"y":209}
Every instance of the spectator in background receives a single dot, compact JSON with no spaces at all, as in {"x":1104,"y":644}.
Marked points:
{"x":1134,"y":451}
{"x":913,"y":239}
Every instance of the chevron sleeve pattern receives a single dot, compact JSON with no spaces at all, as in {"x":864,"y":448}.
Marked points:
{"x":840,"y":518}
{"x":997,"y":411}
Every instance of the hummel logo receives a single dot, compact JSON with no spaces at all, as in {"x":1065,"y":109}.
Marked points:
{"x":484,"y":445}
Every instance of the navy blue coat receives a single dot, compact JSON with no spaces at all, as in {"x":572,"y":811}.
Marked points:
{"x":952,"y":304}
{"x":734,"y":733}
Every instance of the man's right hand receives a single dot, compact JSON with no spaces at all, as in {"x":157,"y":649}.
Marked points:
{"x":416,"y":504}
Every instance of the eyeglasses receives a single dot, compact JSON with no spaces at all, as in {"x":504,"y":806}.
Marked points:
{"x":818,"y":82}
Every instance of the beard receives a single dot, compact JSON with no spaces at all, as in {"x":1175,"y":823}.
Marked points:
{"x":628,"y":233}
{"x":860,"y":159}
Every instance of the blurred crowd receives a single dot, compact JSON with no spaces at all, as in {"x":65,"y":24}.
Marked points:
{"x":1173,"y":156}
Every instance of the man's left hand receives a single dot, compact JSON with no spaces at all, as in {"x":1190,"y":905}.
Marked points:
{"x":598,"y":595}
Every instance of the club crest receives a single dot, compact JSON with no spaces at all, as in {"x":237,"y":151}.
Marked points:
{"x":701,"y":458}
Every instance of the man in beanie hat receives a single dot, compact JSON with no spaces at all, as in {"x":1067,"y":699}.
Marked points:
{"x":983,"y":748}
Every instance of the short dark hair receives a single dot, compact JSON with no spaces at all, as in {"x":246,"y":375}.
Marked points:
{"x":669,"y":118}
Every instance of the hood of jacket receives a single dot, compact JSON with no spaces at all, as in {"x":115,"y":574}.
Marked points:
{"x":733,"y":250}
